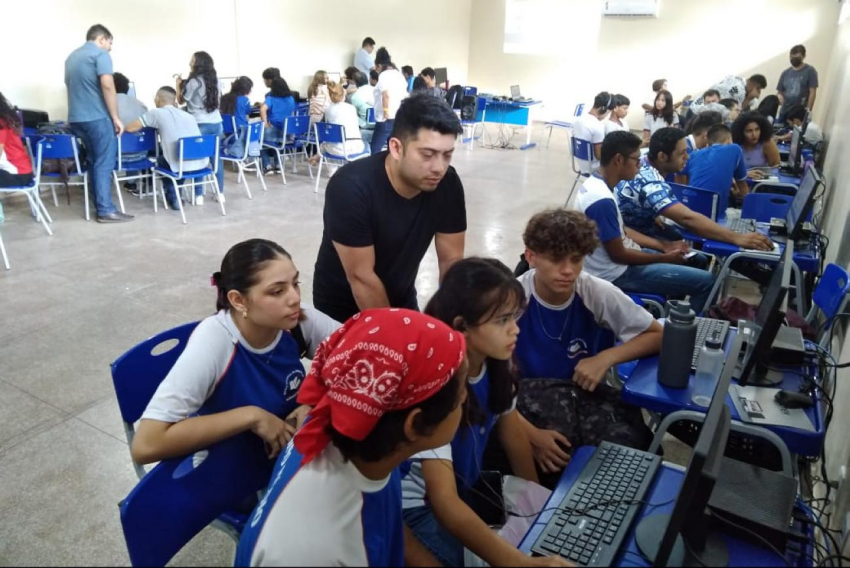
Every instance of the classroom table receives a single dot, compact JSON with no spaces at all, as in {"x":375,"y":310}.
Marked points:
{"x":781,"y":178}
{"x":661,"y":500}
{"x":517,"y":113}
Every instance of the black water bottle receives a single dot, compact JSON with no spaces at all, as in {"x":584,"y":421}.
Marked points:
{"x":677,"y":346}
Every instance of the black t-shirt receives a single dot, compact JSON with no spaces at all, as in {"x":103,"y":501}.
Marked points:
{"x":362,"y":209}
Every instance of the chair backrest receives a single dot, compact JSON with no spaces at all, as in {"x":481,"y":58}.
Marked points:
{"x":764,"y":206}
{"x":579,"y":109}
{"x":134,"y":143}
{"x":297,"y":125}
{"x":831,"y":291}
{"x":198,"y":148}
{"x":467,"y":91}
{"x":58,"y":147}
{"x":327,"y":132}
{"x":775,"y":187}
{"x":302,"y":109}
{"x":370,"y":115}
{"x":582,"y":149}
{"x":702,"y":201}
{"x":228,"y":123}
{"x":178,"y":498}
{"x":480,"y":109}
{"x":255,"y":132}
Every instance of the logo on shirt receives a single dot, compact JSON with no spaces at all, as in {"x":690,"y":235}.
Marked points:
{"x":293,"y":383}
{"x":577,"y":348}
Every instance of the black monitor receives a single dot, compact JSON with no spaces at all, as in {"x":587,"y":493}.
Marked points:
{"x":677,"y":538}
{"x":441,"y":75}
{"x":795,"y":150}
{"x":770,"y":316}
{"x":803,"y":202}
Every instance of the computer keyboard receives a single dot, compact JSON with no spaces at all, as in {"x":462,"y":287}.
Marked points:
{"x":706,"y":328}
{"x":741,"y":226}
{"x":596,"y":515}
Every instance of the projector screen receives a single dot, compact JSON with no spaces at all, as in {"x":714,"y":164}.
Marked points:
{"x":552,"y":27}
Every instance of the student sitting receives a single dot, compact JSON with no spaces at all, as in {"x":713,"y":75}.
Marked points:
{"x":590,"y":127}
{"x":568,"y":331}
{"x":129,"y":107}
{"x":481,"y":299}
{"x":769,"y":108}
{"x":732,"y":108}
{"x":15,"y":165}
{"x":796,"y":116}
{"x":269,"y":75}
{"x":373,"y":78}
{"x":644,"y":200}
{"x":278,"y":106}
{"x":349,"y":83}
{"x":319,"y":98}
{"x":697,"y":130}
{"x":662,"y":116}
{"x":619,"y":258}
{"x":707,"y":102}
{"x":386,"y":386}
{"x":407,"y":72}
{"x":251,"y":342}
{"x":236,"y":103}
{"x":718,"y":167}
{"x":754,"y":134}
{"x":619,"y":108}
{"x":342,"y":113}
{"x":363,"y":99}
{"x":431,"y":86}
{"x":419,"y":85}
{"x":660,"y":85}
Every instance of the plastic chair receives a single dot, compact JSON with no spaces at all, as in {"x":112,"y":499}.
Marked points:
{"x":581,"y":150}
{"x":3,"y":254}
{"x":65,"y":147}
{"x":298,"y":130}
{"x":143,"y":141}
{"x":370,"y":115}
{"x":32,"y":192}
{"x":703,"y":201}
{"x":478,"y":120}
{"x":565,"y":125}
{"x":327,"y":133}
{"x":764,"y":206}
{"x":653,"y":303}
{"x":251,"y":135}
{"x":470,"y":91}
{"x":776,"y":187}
{"x":191,"y":148}
{"x":829,"y":299}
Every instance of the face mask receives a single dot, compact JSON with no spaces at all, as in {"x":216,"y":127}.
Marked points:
{"x":796,"y":61}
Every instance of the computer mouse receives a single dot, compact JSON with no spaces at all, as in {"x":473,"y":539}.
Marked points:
{"x":791,"y":399}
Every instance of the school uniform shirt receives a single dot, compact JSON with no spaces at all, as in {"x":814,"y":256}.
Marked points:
{"x":325,"y":513}
{"x":243,"y":111}
{"x":220,"y":371}
{"x":596,"y":200}
{"x":813,"y":134}
{"x":553,"y":339}
{"x":129,"y":108}
{"x":715,"y":168}
{"x":14,"y":153}
{"x":393,"y":82}
{"x":466,"y":451}
{"x":644,"y":198}
{"x":589,"y":128}
{"x":654,"y":124}
{"x":279,"y":109}
{"x":611,"y":126}
{"x":172,"y":125}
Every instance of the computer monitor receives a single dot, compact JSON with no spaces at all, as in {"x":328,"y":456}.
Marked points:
{"x":334,"y":77}
{"x":515,"y":93}
{"x":794,"y":151}
{"x":803,"y":202}
{"x":676,"y":538}
{"x":441,"y":75}
{"x":770,"y":316}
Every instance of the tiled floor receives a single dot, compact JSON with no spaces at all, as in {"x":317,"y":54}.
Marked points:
{"x":74,"y":302}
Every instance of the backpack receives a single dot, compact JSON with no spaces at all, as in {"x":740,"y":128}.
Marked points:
{"x":733,"y":309}
{"x":298,"y":336}
{"x":455,"y":97}
{"x":63,"y":166}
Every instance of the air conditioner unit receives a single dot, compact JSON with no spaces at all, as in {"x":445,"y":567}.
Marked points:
{"x":632,"y":8}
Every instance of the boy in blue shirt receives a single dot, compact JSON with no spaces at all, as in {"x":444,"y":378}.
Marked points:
{"x":718,"y":167}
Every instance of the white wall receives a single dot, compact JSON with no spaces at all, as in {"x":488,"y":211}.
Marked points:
{"x":155,"y":39}
{"x":692,"y":44}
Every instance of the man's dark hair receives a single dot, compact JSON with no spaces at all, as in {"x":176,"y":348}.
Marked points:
{"x":429,"y":72}
{"x":367,"y":42}
{"x":619,"y":142}
{"x":407,"y":70}
{"x":664,"y":140}
{"x":800,"y":49}
{"x":373,"y":74}
{"x":740,"y":125}
{"x":759,"y":80}
{"x":658,"y":84}
{"x":96,"y":31}
{"x":602,"y":100}
{"x":559,"y":233}
{"x":424,"y":111}
{"x":711,"y":93}
{"x":350,"y":72}
{"x":728,"y":103}
{"x":271,"y":73}
{"x":122,"y":83}
{"x":718,"y":133}
{"x":619,"y":100}
{"x":797,"y":112}
{"x":360,"y":79}
{"x":703,"y":121}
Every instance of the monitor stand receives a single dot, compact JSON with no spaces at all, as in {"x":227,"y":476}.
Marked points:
{"x":651,"y":530}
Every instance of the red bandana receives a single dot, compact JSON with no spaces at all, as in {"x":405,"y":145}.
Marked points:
{"x":379,"y":361}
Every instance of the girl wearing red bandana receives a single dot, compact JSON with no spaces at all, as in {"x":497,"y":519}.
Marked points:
{"x":385,"y":386}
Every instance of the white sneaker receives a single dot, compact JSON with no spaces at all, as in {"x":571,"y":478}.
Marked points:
{"x":199,"y":200}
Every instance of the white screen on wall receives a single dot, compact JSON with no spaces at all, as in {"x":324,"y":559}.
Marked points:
{"x":551,"y":27}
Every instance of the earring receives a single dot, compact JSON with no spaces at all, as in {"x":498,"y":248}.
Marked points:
{"x":245,"y":314}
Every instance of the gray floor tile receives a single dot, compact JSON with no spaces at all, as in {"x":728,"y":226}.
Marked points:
{"x":21,"y":414}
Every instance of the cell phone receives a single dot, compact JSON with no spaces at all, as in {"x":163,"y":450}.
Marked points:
{"x":690,"y":254}
{"x":487,"y":499}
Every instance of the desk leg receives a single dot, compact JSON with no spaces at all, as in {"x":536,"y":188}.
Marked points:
{"x":528,"y":143}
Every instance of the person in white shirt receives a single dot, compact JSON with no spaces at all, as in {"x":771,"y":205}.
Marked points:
{"x":590,"y":128}
{"x":619,"y":108}
{"x":796,"y":116}
{"x":344,"y":114}
{"x":389,"y":92}
{"x":363,"y":59}
{"x":663,"y":115}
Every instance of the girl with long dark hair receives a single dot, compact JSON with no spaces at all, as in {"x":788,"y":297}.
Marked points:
{"x":237,"y":103}
{"x":278,"y":105}
{"x":662,"y":115}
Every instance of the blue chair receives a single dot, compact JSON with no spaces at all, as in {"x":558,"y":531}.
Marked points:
{"x":370,"y":115}
{"x":327,"y":133}
{"x":764,"y":206}
{"x":32,"y":192}
{"x":252,"y":137}
{"x":470,"y":91}
{"x":3,"y":254}
{"x":471,"y":125}
{"x":135,"y":143}
{"x":65,"y":147}
{"x":700,"y":200}
{"x":775,"y":187}
{"x":829,"y":299}
{"x":567,"y":126}
{"x":191,"y":148}
{"x":581,"y":150}
{"x":297,"y":132}
{"x":653,"y":303}
{"x":302,"y":109}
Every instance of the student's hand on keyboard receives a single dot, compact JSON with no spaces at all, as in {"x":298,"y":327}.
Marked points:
{"x":548,"y":451}
{"x":590,"y":371}
{"x":755,"y":241}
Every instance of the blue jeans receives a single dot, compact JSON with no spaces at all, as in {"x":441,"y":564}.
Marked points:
{"x":272,"y":135}
{"x":102,"y":151}
{"x":425,"y":526}
{"x":669,"y":280}
{"x":168,"y":185}
{"x":381,"y":135}
{"x":214,"y":128}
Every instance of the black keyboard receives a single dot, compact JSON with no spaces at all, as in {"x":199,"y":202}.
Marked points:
{"x":596,"y":515}
{"x":741,"y":226}
{"x":706,"y":328}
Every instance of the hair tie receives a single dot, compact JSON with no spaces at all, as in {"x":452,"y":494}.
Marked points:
{"x":215,"y":279}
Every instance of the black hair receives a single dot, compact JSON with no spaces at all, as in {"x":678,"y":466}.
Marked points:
{"x":367,"y":41}
{"x":703,"y":121}
{"x":619,"y":100}
{"x":8,"y":114}
{"x":204,"y":71}
{"x":122,"y":83}
{"x":96,"y":31}
{"x":382,"y":57}
{"x":419,"y":84}
{"x":167,"y":89}
{"x":407,"y":70}
{"x":664,"y":140}
{"x":360,"y":79}
{"x":769,"y":106}
{"x":240,"y":87}
{"x":240,"y":266}
{"x":424,"y":111}
{"x":388,"y":434}
{"x":728,"y":103}
{"x":429,"y":72}
{"x":474,"y":291}
{"x":602,"y":100}
{"x":801,"y":49}
{"x":350,"y":73}
{"x":280,"y":88}
{"x":618,"y":142}
{"x":373,"y":74}
{"x":271,"y":73}
{"x":718,"y":133}
{"x":759,"y":79}
{"x":658,"y":84}
{"x":747,"y":118}
{"x":797,"y":112}
{"x":669,"y":112}
{"x":711,"y":93}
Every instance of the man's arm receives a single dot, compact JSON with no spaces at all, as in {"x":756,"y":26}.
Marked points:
{"x":590,"y":371}
{"x":110,"y":97}
{"x":813,"y":93}
{"x":703,"y":226}
{"x":134,"y":126}
{"x":655,"y":244}
{"x":771,"y":154}
{"x":741,"y":188}
{"x":621,"y":255}
{"x":449,"y":250}
{"x":514,"y":440}
{"x":359,"y":266}
{"x":597,"y":151}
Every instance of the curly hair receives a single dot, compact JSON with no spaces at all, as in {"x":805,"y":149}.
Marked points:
{"x":560,"y":233}
{"x":8,"y":115}
{"x":744,"y":120}
{"x":204,"y":71}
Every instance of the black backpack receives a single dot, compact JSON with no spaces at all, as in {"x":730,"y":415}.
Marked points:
{"x":298,"y":336}
{"x":455,"y":97}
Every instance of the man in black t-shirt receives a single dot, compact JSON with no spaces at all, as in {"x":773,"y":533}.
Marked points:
{"x":382,"y":212}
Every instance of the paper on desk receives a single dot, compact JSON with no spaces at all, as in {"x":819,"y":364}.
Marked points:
{"x":757,"y":405}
